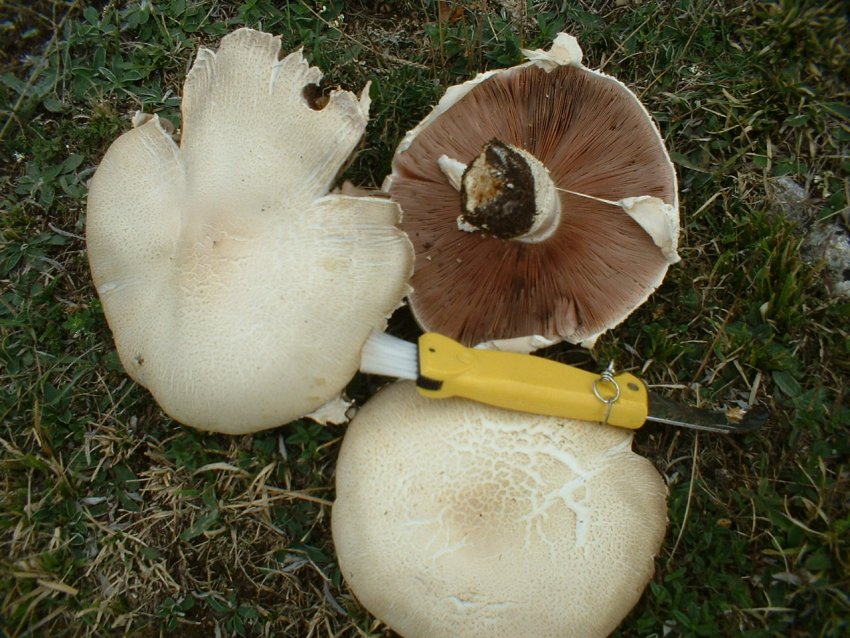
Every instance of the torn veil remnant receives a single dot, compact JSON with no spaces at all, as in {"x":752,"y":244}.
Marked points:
{"x":457,"y":520}
{"x":238,"y":290}
{"x":541,"y":203}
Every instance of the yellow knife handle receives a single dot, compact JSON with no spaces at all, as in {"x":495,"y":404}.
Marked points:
{"x":528,"y":383}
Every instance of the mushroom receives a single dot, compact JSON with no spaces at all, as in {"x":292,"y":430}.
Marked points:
{"x":541,"y":203}
{"x":238,"y":290}
{"x":456,"y":519}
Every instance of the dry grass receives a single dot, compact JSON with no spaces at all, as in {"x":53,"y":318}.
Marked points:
{"x":116,"y":521}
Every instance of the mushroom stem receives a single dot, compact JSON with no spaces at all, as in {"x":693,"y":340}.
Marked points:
{"x":505,"y":192}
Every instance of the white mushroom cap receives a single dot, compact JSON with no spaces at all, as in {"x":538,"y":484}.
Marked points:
{"x":238,"y":291}
{"x":461,"y":520}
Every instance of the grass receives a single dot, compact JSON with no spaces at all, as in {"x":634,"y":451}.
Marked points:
{"x":115,"y":520}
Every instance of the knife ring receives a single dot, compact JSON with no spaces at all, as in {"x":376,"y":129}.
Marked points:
{"x":607,"y":376}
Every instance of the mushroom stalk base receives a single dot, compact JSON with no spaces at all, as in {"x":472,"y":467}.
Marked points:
{"x":506,"y":192}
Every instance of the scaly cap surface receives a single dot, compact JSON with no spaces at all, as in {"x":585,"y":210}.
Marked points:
{"x":238,"y":291}
{"x":455,"y":519}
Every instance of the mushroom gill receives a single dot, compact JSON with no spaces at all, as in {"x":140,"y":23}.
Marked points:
{"x":595,"y":262}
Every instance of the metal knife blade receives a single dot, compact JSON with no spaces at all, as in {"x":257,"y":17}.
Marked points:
{"x":669,"y":412}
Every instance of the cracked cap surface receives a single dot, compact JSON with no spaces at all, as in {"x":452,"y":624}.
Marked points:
{"x":458,"y":519}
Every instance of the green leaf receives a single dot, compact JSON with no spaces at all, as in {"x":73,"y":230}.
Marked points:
{"x":53,"y":105}
{"x":209,"y":498}
{"x":760,"y":161}
{"x":217,"y":606}
{"x":91,"y":16}
{"x":840,"y":109}
{"x":124,"y":474}
{"x":187,"y":603}
{"x":200,"y":526}
{"x":13,"y":83}
{"x":819,"y":561}
{"x":128,"y":503}
{"x":72,"y":162}
{"x":786,"y":383}
{"x":797,"y":120}
{"x":683,"y":161}
{"x":150,"y":553}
